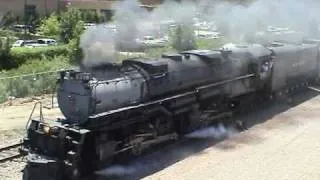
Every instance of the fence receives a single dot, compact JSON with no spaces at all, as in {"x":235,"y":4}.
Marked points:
{"x":28,"y":85}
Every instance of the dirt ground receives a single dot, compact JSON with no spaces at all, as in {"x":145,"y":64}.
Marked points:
{"x":15,"y":114}
{"x":13,"y":118}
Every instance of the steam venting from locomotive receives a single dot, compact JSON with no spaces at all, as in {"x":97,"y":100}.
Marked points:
{"x":98,"y":46}
{"x":218,"y":132}
{"x":239,"y":23}
{"x":117,"y":170}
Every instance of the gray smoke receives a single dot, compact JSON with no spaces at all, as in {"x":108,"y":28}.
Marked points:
{"x":98,"y":46}
{"x":117,"y":170}
{"x":236,"y":21}
{"x":218,"y":132}
{"x":134,"y":22}
{"x":165,"y":157}
{"x":239,"y":23}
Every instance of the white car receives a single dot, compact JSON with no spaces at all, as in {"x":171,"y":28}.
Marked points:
{"x":152,"y":41}
{"x":23,"y":43}
{"x":49,"y":42}
{"x":42,"y":43}
{"x":35,"y":43}
{"x":207,"y":34}
{"x":18,"y":43}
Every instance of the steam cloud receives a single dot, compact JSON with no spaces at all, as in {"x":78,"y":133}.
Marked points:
{"x":218,"y":132}
{"x":239,"y":23}
{"x":159,"y":159}
{"x":98,"y":46}
{"x":117,"y":171}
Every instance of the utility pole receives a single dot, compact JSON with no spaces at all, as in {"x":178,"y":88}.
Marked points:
{"x":46,"y":8}
{"x":25,"y":19}
{"x":58,"y":7}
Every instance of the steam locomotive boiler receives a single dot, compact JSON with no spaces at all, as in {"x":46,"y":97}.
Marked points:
{"x":112,"y":111}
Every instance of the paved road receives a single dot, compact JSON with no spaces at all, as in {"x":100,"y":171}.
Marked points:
{"x":286,"y":146}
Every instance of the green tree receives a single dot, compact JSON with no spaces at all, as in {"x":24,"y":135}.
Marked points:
{"x":8,"y":19}
{"x":75,"y":51}
{"x":69,"y":21}
{"x":90,"y":16}
{"x":50,"y":26}
{"x":5,"y":58}
{"x":35,"y":21}
{"x":183,"y":38}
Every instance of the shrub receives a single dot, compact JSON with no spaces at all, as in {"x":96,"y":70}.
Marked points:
{"x":13,"y":84}
{"x":90,"y":16}
{"x":38,"y":65}
{"x":7,"y":33}
{"x":8,"y":19}
{"x":69,"y":22}
{"x":5,"y":58}
{"x":157,"y":52}
{"x":50,"y":26}
{"x":210,"y":43}
{"x":21,"y":55}
{"x":3,"y":91}
{"x":183,"y":38}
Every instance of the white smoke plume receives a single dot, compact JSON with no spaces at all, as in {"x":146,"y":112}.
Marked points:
{"x":234,"y":20}
{"x":238,"y":22}
{"x":117,"y":170}
{"x":98,"y":46}
{"x":164,"y":157}
{"x":218,"y":132}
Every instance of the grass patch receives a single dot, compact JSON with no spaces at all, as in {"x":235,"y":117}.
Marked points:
{"x":210,"y":43}
{"x":20,"y":55}
{"x":31,"y":83}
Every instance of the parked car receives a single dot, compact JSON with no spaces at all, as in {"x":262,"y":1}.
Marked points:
{"x":35,"y":43}
{"x":151,"y":41}
{"x":23,"y":43}
{"x":50,"y":42}
{"x":207,"y":34}
{"x":22,"y":28}
{"x":89,"y":25}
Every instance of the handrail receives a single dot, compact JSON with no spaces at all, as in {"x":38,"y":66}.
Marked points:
{"x":41,"y":114}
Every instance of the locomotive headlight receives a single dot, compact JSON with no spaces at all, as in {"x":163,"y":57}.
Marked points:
{"x":46,"y":129}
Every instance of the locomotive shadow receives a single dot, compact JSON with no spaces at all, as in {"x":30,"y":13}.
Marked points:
{"x":162,"y":158}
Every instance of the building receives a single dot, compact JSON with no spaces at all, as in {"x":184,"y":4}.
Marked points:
{"x":17,"y":6}
{"x":42,"y":7}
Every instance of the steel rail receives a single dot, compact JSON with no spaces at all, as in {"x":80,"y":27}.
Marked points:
{"x":10,"y":152}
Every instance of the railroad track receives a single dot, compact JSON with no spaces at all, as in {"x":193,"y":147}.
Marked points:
{"x":11,"y":152}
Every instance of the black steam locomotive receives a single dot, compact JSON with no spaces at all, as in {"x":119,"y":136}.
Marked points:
{"x":117,"y":110}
